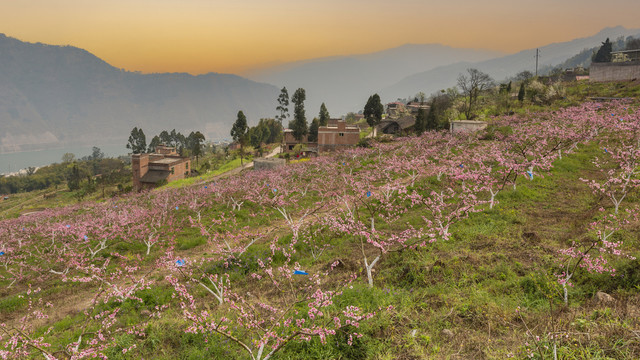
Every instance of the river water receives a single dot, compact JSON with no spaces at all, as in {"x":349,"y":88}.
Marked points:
{"x":13,"y":162}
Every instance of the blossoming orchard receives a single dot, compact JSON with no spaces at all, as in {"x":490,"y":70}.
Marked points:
{"x":270,"y":263}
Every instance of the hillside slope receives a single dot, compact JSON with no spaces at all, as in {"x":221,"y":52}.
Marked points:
{"x":438,"y":247}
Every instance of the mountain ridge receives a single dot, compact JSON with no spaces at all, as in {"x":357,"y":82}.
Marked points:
{"x":343,"y":81}
{"x":500,"y":68}
{"x":55,"y":95}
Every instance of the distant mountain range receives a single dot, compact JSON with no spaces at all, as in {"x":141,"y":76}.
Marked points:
{"x":53,"y":96}
{"x":503,"y":67}
{"x":61,"y":95}
{"x":344,"y":83}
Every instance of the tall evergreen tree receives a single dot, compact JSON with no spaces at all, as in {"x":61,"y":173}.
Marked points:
{"x":165,"y":138}
{"x":521,"y":92}
{"x":153,"y":144}
{"x":239,"y":128}
{"x":137,"y":141}
{"x":283,"y":105}
{"x":313,"y":130}
{"x":604,"y":53}
{"x":431,"y":122}
{"x":323,"y":117}
{"x":74,"y":177}
{"x":299,"y":123}
{"x":194,"y":143}
{"x":239,"y":132}
{"x":421,"y":122}
{"x":373,"y":110}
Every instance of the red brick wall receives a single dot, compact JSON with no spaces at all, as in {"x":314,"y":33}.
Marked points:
{"x":179,"y":170}
{"x":337,"y":137}
{"x":139,"y":167}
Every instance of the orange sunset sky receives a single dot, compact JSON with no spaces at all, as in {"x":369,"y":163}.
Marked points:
{"x":232,"y":36}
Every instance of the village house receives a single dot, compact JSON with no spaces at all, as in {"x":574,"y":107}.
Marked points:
{"x":395,"y":109}
{"x":336,"y":135}
{"x":625,"y":55}
{"x":165,"y":164}
{"x":397,"y":126}
{"x":289,"y":142}
{"x":415,"y":106}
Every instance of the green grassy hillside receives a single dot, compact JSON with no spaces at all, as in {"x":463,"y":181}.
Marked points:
{"x":455,"y":277}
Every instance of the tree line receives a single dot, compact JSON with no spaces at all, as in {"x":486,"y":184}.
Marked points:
{"x":191,"y":145}
{"x":85,"y":175}
{"x":270,"y":130}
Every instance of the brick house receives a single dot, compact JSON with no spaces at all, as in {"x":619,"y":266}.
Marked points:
{"x":289,"y":142}
{"x":395,"y":109}
{"x":165,"y":164}
{"x":337,"y":135}
{"x":414,"y":106}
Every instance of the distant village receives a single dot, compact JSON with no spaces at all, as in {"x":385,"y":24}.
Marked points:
{"x":398,"y":118}
{"x":165,"y":164}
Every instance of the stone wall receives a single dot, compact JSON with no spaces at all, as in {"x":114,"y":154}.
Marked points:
{"x":618,"y":71}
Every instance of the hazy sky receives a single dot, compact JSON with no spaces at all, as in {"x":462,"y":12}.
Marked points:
{"x":199,"y":36}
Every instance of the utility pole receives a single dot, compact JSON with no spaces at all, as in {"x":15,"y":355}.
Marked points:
{"x":537,"y":56}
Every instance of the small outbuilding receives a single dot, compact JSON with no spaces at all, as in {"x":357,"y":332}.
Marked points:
{"x":466,"y":125}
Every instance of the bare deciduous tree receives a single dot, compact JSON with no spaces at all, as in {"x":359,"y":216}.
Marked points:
{"x":472,"y":84}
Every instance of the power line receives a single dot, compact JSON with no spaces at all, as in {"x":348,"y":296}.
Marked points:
{"x":537,"y":56}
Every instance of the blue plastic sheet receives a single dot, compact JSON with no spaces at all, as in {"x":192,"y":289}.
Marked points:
{"x":461,"y":166}
{"x":368,"y":193}
{"x":530,"y":174}
{"x":177,"y":208}
{"x":1,"y":253}
{"x":179,"y":262}
{"x":300,"y":272}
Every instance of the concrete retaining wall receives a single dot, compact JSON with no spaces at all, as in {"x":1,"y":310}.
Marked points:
{"x":268,"y":164}
{"x":620,"y":71}
{"x":466,"y":125}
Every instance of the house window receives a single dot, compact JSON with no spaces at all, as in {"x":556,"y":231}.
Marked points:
{"x":187,"y":166}
{"x":173,"y":171}
{"x":340,"y":134}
